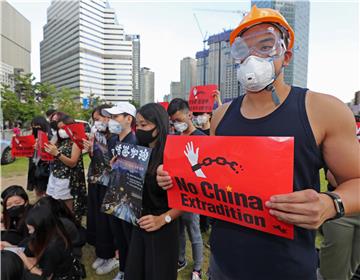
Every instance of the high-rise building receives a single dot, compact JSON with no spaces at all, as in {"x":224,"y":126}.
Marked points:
{"x":84,"y":48}
{"x":202,"y":67}
{"x":147,"y":86}
{"x":175,"y":90}
{"x":136,"y":65}
{"x":15,"y":44}
{"x":187,"y":76}
{"x":297,"y":14}
{"x":219,"y":66}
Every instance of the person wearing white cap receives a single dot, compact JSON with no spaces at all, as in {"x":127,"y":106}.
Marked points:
{"x":121,"y":123}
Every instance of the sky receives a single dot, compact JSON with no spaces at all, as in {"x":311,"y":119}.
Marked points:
{"x":169,"y":32}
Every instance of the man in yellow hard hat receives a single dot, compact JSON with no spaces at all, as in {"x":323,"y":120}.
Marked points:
{"x":323,"y":128}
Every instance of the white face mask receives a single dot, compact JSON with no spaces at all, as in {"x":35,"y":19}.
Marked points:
{"x":114,"y":127}
{"x":200,"y":120}
{"x":256,"y":73}
{"x":180,"y":126}
{"x":100,"y":126}
{"x":63,"y":134}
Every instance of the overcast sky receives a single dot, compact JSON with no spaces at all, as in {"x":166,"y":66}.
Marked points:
{"x":169,"y":33}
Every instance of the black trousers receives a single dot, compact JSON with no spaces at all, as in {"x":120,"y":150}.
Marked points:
{"x":121,"y":231}
{"x":98,"y":230}
{"x":153,"y":255}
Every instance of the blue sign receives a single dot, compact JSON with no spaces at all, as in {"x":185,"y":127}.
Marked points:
{"x":86,"y":103}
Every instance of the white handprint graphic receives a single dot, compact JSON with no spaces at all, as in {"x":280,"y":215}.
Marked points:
{"x":193,"y":158}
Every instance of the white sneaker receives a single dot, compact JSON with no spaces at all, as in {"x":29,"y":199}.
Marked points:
{"x":97,"y":263}
{"x":107,"y":266}
{"x":119,"y":276}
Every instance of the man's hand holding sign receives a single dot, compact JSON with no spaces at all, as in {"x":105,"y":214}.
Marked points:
{"x":219,"y":177}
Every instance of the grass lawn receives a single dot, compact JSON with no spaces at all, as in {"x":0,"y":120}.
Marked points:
{"x":20,"y":167}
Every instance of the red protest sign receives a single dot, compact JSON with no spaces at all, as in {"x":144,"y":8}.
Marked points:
{"x":231,"y":178}
{"x":22,"y":146}
{"x":201,"y":98}
{"x":76,"y":133}
{"x":164,"y":104}
{"x":358,"y":130}
{"x":41,"y":141}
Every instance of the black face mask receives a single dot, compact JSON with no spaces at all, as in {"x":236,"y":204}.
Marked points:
{"x":35,"y":131}
{"x":54,"y":125}
{"x":16,"y":211}
{"x":145,"y":137}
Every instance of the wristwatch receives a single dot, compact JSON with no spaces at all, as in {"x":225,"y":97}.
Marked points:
{"x":339,"y":207}
{"x":168,"y":219}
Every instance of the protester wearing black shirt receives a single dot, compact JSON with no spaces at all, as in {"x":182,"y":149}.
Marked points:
{"x":39,"y":171}
{"x":48,"y":252}
{"x":98,"y":230}
{"x":121,"y":123}
{"x":154,"y":244}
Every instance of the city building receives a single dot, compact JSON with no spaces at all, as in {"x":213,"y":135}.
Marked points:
{"x":136,"y":65}
{"x":297,"y":14}
{"x":216,"y":66}
{"x":85,"y":48}
{"x":147,"y":86}
{"x":15,"y":44}
{"x":187,"y":76}
{"x":175,"y":90}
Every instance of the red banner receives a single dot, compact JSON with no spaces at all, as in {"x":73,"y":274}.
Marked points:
{"x":40,"y":146}
{"x":165,"y":105}
{"x":231,"y":178}
{"x":22,"y":146}
{"x":201,"y":98}
{"x":76,"y":133}
{"x":358,"y":130}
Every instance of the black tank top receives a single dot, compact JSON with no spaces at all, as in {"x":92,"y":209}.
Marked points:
{"x":243,"y":253}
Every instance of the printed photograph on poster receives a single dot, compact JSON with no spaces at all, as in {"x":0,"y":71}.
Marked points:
{"x":123,"y":198}
{"x":99,"y":171}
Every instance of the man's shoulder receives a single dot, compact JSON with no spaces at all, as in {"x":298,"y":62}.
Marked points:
{"x":325,"y":104}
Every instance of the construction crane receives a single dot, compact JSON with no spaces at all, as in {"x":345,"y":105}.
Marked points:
{"x":204,"y":37}
{"x":240,"y":12}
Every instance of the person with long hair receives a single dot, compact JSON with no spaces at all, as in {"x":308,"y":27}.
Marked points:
{"x":67,"y":177}
{"x":98,"y":229}
{"x":154,"y":245}
{"x":74,"y":230}
{"x":48,"y":252}
{"x":39,"y":171}
{"x":15,"y":206}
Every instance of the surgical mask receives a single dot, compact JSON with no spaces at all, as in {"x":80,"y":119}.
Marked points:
{"x":62,"y":134}
{"x":145,"y":137}
{"x":180,"y":126}
{"x":256,"y":73}
{"x":16,"y":211}
{"x":200,"y":120}
{"x":114,"y":127}
{"x":100,"y":126}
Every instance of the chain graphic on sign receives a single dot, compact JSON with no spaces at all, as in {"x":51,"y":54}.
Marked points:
{"x":193,"y":157}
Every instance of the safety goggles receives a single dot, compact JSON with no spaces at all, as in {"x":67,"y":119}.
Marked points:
{"x":263,"y":44}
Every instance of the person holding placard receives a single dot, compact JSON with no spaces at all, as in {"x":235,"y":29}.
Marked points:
{"x":67,"y":178}
{"x":323,"y":129}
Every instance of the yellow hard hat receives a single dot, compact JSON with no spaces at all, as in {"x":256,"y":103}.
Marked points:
{"x":262,"y":15}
